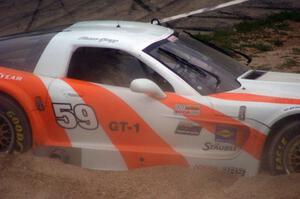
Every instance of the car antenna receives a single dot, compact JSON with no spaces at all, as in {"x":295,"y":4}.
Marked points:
{"x":155,"y":21}
{"x":118,"y":25}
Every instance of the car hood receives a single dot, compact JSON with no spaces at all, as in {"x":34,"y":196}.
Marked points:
{"x":277,"y":84}
{"x":280,"y":77}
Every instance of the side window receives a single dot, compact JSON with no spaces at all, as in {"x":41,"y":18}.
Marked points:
{"x":112,"y":67}
{"x":23,"y":52}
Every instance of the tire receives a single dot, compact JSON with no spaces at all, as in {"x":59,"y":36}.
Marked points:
{"x":15,"y":132}
{"x":284,"y":151}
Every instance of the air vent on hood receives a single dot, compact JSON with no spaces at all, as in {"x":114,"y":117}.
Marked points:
{"x":254,"y":75}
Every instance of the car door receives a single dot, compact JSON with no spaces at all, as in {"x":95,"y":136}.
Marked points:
{"x":140,"y":129}
{"x":99,"y":111}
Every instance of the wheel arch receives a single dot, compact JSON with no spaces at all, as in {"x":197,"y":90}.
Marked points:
{"x":275,"y":127}
{"x":27,"y":104}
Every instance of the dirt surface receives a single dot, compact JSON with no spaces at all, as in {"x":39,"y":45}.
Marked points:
{"x":26,"y":176}
{"x":272,"y":48}
{"x":285,"y":57}
{"x":25,"y":15}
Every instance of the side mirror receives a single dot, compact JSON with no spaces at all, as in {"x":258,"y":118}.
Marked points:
{"x":148,"y":87}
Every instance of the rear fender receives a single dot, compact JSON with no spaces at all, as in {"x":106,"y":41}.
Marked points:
{"x":26,"y":88}
{"x":27,"y":103}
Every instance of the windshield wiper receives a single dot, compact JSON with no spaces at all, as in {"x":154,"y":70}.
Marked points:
{"x":222,"y":50}
{"x":195,"y":67}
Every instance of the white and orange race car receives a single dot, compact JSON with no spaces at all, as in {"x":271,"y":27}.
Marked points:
{"x":122,"y":95}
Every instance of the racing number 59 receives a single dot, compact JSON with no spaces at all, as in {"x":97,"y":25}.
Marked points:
{"x":70,"y":117}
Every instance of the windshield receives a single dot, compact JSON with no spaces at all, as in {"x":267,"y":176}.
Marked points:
{"x":205,"y":69}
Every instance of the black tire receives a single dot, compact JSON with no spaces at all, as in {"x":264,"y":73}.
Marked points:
{"x":284,"y":150}
{"x":15,"y":132}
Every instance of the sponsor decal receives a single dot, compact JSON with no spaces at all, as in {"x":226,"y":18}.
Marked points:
{"x":208,"y":146}
{"x":188,"y":128}
{"x":225,"y":134}
{"x":19,"y":130}
{"x":122,"y":126}
{"x":99,"y":39}
{"x":10,"y":77}
{"x":186,"y":109}
{"x":172,"y":38}
{"x":279,"y":165}
{"x":206,"y":167}
{"x":89,"y":38}
{"x":108,"y":40}
{"x":242,"y":113}
{"x":234,"y":171}
{"x":291,"y":108}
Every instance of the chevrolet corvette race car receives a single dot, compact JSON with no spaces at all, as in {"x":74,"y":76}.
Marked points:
{"x":122,"y":95}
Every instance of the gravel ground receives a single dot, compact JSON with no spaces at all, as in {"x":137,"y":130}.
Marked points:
{"x":25,"y":15}
{"x":25,"y":176}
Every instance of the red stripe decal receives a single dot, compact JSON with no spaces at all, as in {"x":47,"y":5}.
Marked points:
{"x":255,"y":98}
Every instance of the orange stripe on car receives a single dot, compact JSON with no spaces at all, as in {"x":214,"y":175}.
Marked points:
{"x":209,"y":118}
{"x":45,"y":131}
{"x":143,"y":147}
{"x":255,"y":98}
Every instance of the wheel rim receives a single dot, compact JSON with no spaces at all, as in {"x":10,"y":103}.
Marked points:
{"x":292,"y":156}
{"x":6,"y":134}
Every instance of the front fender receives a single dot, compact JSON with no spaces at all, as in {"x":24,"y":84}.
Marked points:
{"x":284,"y":113}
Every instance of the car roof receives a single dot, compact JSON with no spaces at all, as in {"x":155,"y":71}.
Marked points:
{"x":112,"y":26}
{"x":131,"y":37}
{"x":125,"y":33}
{"x":128,"y":33}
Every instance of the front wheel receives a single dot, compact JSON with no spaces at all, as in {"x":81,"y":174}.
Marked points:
{"x":284,"y":153}
{"x":15,"y":134}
